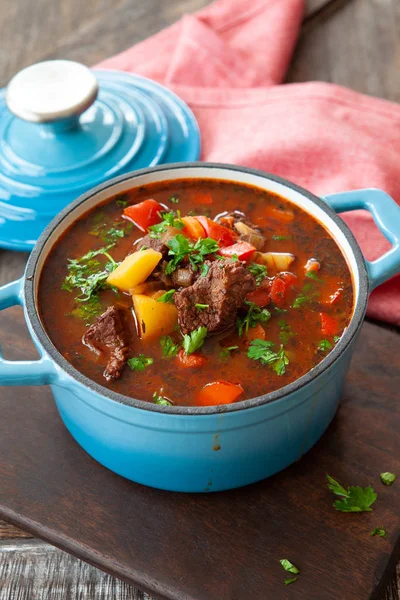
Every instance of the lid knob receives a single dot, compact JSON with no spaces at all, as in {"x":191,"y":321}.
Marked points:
{"x":51,"y":91}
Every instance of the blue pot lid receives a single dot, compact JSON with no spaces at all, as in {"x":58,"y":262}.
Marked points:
{"x":64,"y":129}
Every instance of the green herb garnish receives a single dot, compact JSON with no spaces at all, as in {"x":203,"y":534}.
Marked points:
{"x":288,"y":566}
{"x":264,"y":352}
{"x":121,"y":201}
{"x":194,"y":340}
{"x":169,"y":219}
{"x":202,"y":307}
{"x":285,"y":331}
{"x":254,"y":315}
{"x":336,"y":338}
{"x":379,"y":531}
{"x":139,"y":363}
{"x":299,"y":300}
{"x":387,"y":478}
{"x":324,"y":346}
{"x":259,"y":272}
{"x":168,"y":347}
{"x":167,"y":297}
{"x":354,"y":499}
{"x":157,"y":399}
{"x":87,"y":274}
{"x":280,"y":238}
{"x":174,"y":200}
{"x":291,"y":580}
{"x":312,"y":275}
{"x":234,"y":257}
{"x":226,"y":352}
{"x":180,"y":248}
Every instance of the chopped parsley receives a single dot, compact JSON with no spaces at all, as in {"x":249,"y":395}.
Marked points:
{"x":259,"y":272}
{"x":336,"y":338}
{"x":157,"y":399}
{"x":87,"y":274}
{"x":110,"y":235}
{"x":180,"y":247}
{"x":354,"y":499}
{"x":291,"y":580}
{"x":387,"y":478}
{"x":234,"y":257}
{"x":285,"y":331}
{"x":168,"y":347}
{"x":202,"y":307}
{"x":169,"y":219}
{"x":379,"y":531}
{"x":204,"y":269}
{"x":288,"y":566}
{"x":174,"y":200}
{"x":264,"y":352}
{"x":226,"y":352}
{"x":167,"y":297}
{"x":254,"y":315}
{"x":324,"y":345}
{"x":280,"y":238}
{"x":299,"y":300}
{"x":88,"y":310}
{"x":312,"y":275}
{"x":194,"y":340}
{"x":139,"y":363}
{"x":121,"y":201}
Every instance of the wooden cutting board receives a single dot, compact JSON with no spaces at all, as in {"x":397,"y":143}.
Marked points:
{"x":223,"y":546}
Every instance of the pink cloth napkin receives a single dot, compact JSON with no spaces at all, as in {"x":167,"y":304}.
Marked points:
{"x":228,"y":61}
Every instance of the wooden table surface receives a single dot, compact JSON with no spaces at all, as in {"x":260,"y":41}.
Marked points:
{"x":350,"y":42}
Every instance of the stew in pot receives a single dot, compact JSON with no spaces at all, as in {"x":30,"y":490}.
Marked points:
{"x":195,"y":292}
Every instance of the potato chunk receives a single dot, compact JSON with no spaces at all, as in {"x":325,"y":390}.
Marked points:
{"x":134,"y":269}
{"x":275,"y":261}
{"x":154,"y":318}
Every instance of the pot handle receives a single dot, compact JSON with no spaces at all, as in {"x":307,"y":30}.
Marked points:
{"x":386,"y":214}
{"x":23,"y":372}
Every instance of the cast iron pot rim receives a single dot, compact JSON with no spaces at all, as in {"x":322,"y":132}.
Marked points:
{"x":280,"y":394}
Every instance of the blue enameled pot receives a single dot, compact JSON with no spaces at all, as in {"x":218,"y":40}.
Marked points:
{"x":201,"y":449}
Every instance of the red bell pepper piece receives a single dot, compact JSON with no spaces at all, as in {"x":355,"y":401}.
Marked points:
{"x":260,"y":297}
{"x":243,"y":250}
{"x":280,"y":287}
{"x":219,"y":233}
{"x":219,"y":392}
{"x":145,"y":214}
{"x":329,"y":325}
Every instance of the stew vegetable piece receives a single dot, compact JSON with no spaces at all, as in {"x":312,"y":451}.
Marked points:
{"x":195,"y":292}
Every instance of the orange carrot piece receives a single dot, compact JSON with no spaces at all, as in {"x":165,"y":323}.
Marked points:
{"x":193,"y":228}
{"x":329,"y":325}
{"x":255,"y":333}
{"x":219,"y":392}
{"x":259,"y":297}
{"x":190,"y":361}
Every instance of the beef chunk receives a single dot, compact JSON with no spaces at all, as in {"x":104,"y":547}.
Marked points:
{"x":156,"y":244}
{"x":106,"y":336}
{"x":224,"y":289}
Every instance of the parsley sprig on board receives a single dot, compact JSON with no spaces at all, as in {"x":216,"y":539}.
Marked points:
{"x":387,"y":478}
{"x":354,"y":499}
{"x":180,"y":247}
{"x":290,"y":568}
{"x":263,"y":351}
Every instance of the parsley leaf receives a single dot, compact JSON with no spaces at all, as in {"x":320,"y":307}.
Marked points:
{"x":324,"y":346}
{"x":259,"y":272}
{"x":157,"y":399}
{"x":387,"y":478}
{"x":263,"y":351}
{"x":174,"y":200}
{"x":180,"y":248}
{"x":202,"y":307}
{"x":139,"y":363}
{"x":234,"y":257}
{"x":336,"y":338}
{"x":194,"y":340}
{"x":291,"y":580}
{"x":87,"y":274}
{"x":355,"y":499}
{"x":288,"y":566}
{"x":204,"y":269}
{"x":285,"y":331}
{"x":254,"y":315}
{"x":121,"y":200}
{"x":379,"y":532}
{"x":226,"y":352}
{"x":168,"y":347}
{"x":169,"y":219}
{"x":299,"y":300}
{"x":167,"y":297}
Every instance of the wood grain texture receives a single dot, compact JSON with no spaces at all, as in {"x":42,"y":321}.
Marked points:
{"x":175,"y":545}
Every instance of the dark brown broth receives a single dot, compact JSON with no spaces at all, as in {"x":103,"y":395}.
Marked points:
{"x":308,"y":239}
